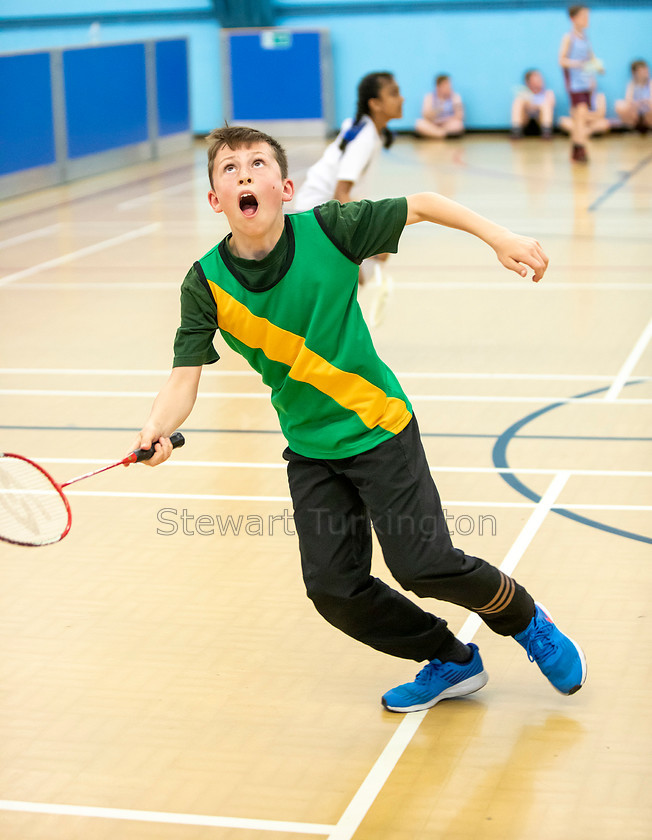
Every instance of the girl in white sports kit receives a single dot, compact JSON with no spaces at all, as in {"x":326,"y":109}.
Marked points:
{"x":350,"y":158}
{"x":346,"y":164}
{"x":340,"y":169}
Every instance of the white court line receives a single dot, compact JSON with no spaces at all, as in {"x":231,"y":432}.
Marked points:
{"x":390,"y":756}
{"x":191,"y":184}
{"x":143,"y":199}
{"x":515,"y":286}
{"x":477,"y":286}
{"x":630,"y":363}
{"x":384,"y":765}
{"x":516,"y":399}
{"x":263,"y":395}
{"x":114,"y":372}
{"x":600,"y":507}
{"x":164,"y":817}
{"x":279,"y":465}
{"x":214,"y":497}
{"x":525,"y":377}
{"x":51,"y":392}
{"x":552,"y":377}
{"x":27,"y":237}
{"x":114,"y":285}
{"x":82,"y":252}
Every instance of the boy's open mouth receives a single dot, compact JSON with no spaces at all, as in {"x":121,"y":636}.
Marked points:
{"x":248,"y":204}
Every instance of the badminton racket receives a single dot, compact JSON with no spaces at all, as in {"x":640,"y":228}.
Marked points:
{"x":34,"y":509}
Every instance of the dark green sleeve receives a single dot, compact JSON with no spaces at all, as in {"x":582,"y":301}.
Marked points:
{"x":193,"y":344}
{"x":362,"y":229}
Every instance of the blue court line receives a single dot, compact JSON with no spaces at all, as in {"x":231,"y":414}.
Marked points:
{"x":499,"y":456}
{"x":134,"y":430}
{"x":624,"y":177}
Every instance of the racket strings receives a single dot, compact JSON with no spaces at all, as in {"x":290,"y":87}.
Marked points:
{"x":32,"y":511}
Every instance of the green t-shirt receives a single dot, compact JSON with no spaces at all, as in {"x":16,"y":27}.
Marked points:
{"x":294,"y":316}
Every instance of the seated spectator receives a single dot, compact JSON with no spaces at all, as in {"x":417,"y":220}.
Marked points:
{"x":533,"y":108}
{"x":597,"y":122}
{"x":442,"y":113}
{"x":635,"y":110}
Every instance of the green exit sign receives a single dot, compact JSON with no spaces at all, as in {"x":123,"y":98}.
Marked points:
{"x":275,"y":39}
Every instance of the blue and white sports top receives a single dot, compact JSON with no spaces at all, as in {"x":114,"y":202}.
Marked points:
{"x":444,"y":108}
{"x":354,"y":164}
{"x":535,"y":100}
{"x":577,"y":79}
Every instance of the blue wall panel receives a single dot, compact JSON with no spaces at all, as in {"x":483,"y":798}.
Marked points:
{"x":276,"y":84}
{"x":26,"y":126}
{"x":106,"y":98}
{"x":172,"y":87}
{"x":203,"y":54}
{"x":486,"y":52}
{"x":486,"y":48}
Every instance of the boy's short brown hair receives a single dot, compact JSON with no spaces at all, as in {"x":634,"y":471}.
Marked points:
{"x":237,"y":137}
{"x":636,"y":65}
{"x":573,"y":11}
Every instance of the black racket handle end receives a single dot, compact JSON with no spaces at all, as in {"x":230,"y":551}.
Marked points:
{"x":176,"y":439}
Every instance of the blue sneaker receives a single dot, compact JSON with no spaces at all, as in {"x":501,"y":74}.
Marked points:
{"x":560,"y":659}
{"x":438,"y":681}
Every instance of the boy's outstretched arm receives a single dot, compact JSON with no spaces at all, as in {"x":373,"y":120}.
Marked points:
{"x":171,"y":407}
{"x":515,"y":252}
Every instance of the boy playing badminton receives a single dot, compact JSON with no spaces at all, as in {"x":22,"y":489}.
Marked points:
{"x":282,"y":291}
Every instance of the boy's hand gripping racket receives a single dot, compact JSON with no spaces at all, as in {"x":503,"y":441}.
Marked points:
{"x":33,"y":507}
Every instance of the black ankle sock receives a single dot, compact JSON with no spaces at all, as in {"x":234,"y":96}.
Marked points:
{"x":528,"y":621}
{"x":455,"y":651}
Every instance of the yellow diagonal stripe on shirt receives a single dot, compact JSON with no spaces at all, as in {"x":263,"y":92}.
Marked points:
{"x":350,"y":390}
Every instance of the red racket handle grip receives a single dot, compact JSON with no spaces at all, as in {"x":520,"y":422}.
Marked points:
{"x":176,"y":439}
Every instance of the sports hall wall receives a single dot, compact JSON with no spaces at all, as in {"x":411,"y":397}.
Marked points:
{"x":486,"y":46}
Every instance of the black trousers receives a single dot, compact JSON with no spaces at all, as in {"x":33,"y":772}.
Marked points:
{"x":336,"y":500}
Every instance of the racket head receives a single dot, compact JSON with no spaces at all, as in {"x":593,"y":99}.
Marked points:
{"x":33,"y":508}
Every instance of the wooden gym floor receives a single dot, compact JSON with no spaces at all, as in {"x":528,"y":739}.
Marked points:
{"x":164,"y":677}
